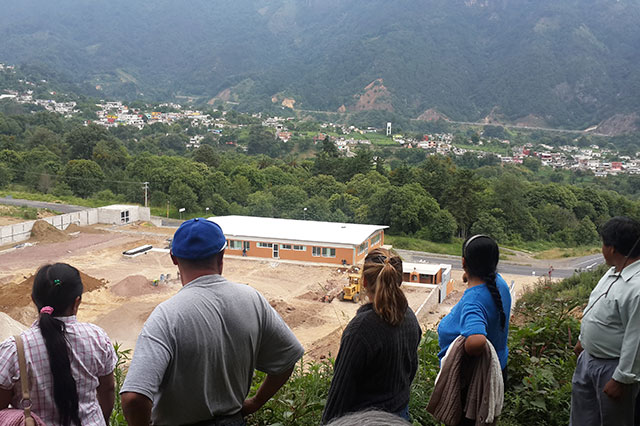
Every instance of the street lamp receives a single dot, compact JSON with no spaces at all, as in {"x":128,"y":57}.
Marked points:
{"x":206,"y":211}
{"x":181,"y":210}
{"x":304,"y":214}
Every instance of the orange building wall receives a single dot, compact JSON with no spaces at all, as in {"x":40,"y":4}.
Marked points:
{"x":304,"y":256}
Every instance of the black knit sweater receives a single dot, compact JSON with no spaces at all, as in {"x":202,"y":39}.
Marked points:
{"x":375,"y":366}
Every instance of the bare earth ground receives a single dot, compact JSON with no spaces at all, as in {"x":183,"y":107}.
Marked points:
{"x":122,"y":296}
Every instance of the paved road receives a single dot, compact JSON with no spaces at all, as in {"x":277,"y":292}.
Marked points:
{"x":562,"y":269}
{"x":61,"y":208}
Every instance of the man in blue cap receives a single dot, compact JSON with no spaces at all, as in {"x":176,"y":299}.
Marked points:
{"x":196,"y":354}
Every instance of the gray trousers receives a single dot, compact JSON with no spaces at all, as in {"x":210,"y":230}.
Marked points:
{"x":590,"y":406}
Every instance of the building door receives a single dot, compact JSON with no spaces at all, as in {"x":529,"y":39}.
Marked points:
{"x":276,"y":251}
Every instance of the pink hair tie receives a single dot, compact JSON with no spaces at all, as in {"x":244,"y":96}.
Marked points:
{"x":46,"y":310}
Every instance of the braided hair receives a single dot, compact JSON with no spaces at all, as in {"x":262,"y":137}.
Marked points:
{"x":481,"y":255}
{"x":55,"y":289}
{"x":383,"y":273}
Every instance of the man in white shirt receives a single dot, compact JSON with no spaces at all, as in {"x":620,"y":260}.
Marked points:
{"x":607,"y":377}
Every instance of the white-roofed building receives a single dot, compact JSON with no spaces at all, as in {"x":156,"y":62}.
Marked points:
{"x":300,"y":240}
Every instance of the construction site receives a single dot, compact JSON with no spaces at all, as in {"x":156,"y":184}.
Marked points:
{"x":120,"y":291}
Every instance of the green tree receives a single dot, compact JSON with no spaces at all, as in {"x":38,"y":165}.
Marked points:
{"x":488,"y":223}
{"x":84,"y":177}
{"x":260,"y":203}
{"x":181,"y":196}
{"x":82,"y":139}
{"x":442,"y":227}
{"x":207,"y":155}
{"x":6,"y":175}
{"x":111,"y":155}
{"x":463,"y":200}
{"x":405,"y":209}
{"x":585,"y":233}
{"x":532,"y":163}
{"x":262,"y":141}
{"x":288,"y":200}
{"x":329,"y":149}
{"x":42,"y":136}
{"x":324,"y":186}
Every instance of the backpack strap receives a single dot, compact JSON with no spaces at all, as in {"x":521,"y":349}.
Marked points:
{"x":24,"y":382}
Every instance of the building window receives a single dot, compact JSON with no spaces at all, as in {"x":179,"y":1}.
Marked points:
{"x":299,"y":248}
{"x":246,"y":245}
{"x":328,"y":252}
{"x":285,"y":246}
{"x":124,"y":216}
{"x":375,"y":240}
{"x":323,"y":251}
{"x":235,"y":245}
{"x":265,"y":245}
{"x":364,"y":247}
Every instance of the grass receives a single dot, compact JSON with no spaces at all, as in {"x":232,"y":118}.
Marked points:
{"x":453,"y":248}
{"x":560,"y":253}
{"x":28,"y":213}
{"x":66,"y":199}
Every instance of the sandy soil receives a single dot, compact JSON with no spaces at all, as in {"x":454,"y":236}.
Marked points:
{"x":121,"y":296}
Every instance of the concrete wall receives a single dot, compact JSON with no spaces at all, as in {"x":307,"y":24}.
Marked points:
{"x":18,"y":232}
{"x":111,"y":215}
{"x":13,"y":234}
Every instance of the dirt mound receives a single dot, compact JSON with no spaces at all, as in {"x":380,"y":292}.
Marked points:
{"x":15,"y":298}
{"x":84,"y":229}
{"x":295,"y":317}
{"x":9,"y":326}
{"x":327,"y":347}
{"x":137,"y":285}
{"x":45,"y":232}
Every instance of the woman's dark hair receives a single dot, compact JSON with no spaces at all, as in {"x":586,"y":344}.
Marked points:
{"x":481,"y":256}
{"x":383,"y":272}
{"x":57,"y":286}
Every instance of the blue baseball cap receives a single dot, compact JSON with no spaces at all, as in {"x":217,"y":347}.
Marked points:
{"x":198,"y":238}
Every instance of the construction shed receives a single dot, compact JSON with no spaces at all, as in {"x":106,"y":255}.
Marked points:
{"x":430,"y":275}
{"x":121,"y":214}
{"x":299,"y":240}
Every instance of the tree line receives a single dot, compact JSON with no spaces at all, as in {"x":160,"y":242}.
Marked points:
{"x":431,"y":197}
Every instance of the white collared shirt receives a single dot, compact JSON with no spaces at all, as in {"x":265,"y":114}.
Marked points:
{"x":611,"y":324}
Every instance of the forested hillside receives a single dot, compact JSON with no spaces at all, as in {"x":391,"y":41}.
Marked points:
{"x":568,"y":63}
{"x":428,"y":197}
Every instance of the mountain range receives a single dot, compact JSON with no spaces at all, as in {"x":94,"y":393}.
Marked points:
{"x":560,"y":63}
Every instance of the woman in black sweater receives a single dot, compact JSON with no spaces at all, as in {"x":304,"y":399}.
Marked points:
{"x":378,"y":355}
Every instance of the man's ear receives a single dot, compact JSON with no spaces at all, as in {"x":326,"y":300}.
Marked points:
{"x":173,"y":259}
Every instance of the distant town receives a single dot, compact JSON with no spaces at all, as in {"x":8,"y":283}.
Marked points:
{"x":346,"y":138}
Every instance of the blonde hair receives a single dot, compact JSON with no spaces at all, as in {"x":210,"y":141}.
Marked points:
{"x":382,"y":272}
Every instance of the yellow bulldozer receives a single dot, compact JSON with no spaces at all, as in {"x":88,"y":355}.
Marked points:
{"x":353,"y":289}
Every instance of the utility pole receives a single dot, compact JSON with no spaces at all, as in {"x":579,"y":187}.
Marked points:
{"x":146,"y":190}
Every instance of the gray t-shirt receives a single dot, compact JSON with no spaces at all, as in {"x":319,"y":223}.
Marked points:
{"x":197,"y":352}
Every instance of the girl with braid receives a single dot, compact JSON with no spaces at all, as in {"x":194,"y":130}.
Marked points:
{"x":378,"y":356}
{"x":483,"y":311}
{"x":70,"y":363}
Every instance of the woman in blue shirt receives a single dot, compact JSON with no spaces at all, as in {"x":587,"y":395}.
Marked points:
{"x":483,"y":311}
